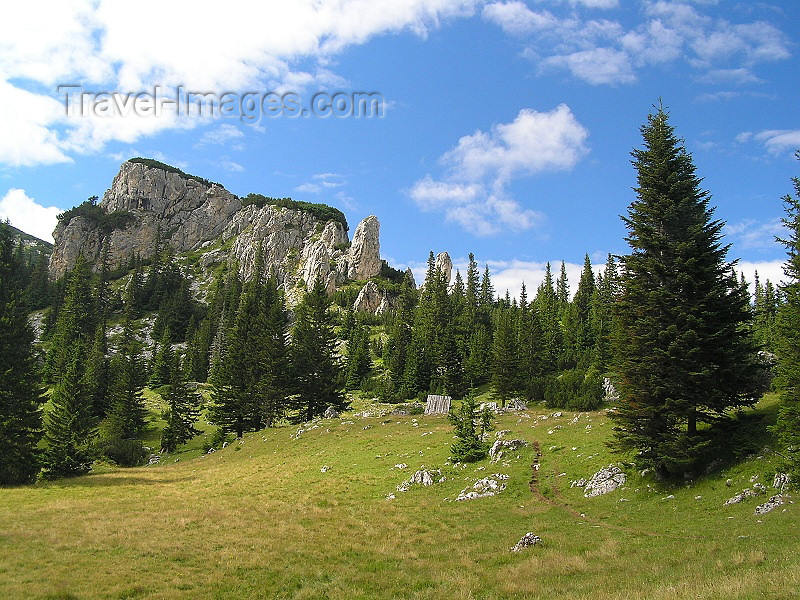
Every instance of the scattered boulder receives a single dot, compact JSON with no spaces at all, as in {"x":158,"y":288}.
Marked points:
{"x":423,"y":477}
{"x":769,"y":505}
{"x":781,"y":481}
{"x":610,"y":393}
{"x":516,"y":404}
{"x":604,"y":481}
{"x":154,"y":459}
{"x":526,"y":541}
{"x":581,"y":483}
{"x":743,"y":495}
{"x":331,"y":413}
{"x":483,"y":488}
{"x":500,"y":447}
{"x":499,"y":435}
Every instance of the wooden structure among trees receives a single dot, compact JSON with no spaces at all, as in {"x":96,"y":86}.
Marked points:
{"x":437,"y":405}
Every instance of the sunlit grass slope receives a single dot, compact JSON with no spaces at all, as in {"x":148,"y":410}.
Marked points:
{"x":260,"y":519}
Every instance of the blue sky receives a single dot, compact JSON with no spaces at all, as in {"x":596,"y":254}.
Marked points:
{"x":506,"y":128}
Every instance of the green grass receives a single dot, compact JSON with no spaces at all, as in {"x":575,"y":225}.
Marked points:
{"x":260,"y":519}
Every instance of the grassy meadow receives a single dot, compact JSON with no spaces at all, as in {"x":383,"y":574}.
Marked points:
{"x":263,"y":518}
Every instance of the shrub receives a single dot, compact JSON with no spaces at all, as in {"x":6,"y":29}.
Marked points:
{"x":575,"y":389}
{"x":149,"y":162}
{"x":323,"y":212}
{"x":124,"y":452}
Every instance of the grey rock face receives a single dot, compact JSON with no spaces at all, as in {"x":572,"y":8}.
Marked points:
{"x":444,"y":265}
{"x":501,"y":446}
{"x":604,"y":481}
{"x":369,"y":299}
{"x":526,"y":541}
{"x":183,"y":211}
{"x":364,"y":259}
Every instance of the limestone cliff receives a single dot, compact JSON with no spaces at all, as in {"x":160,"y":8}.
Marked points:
{"x":148,"y":202}
{"x":183,"y":211}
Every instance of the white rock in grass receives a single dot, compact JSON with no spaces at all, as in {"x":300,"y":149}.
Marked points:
{"x":769,"y":505}
{"x":604,"y":481}
{"x":527,"y":540}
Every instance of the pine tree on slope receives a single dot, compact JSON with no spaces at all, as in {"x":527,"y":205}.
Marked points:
{"x":684,"y":356}
{"x":20,"y":392}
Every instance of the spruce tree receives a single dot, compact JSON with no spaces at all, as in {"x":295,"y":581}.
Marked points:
{"x":70,"y":425}
{"x":316,"y":367}
{"x":182,"y":410}
{"x":128,"y":416}
{"x":787,"y":427}
{"x":76,"y":320}
{"x":20,"y":391}
{"x":684,"y":356}
{"x":250,"y":378}
{"x":163,"y":361}
{"x":505,"y":363}
{"x":469,"y":445}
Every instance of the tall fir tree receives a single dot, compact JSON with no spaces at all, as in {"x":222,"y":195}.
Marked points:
{"x":70,"y":426}
{"x":505,"y":363}
{"x":684,"y":355}
{"x":127,"y":416}
{"x":182,"y":410}
{"x":315,"y":364}
{"x":20,"y":391}
{"x":77,"y":320}
{"x":787,"y":427}
{"x":250,"y":382}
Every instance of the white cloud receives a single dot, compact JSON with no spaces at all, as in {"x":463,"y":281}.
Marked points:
{"x":603,"y":52}
{"x":25,"y":214}
{"x":478,"y":169}
{"x":750,"y":233}
{"x":221,"y":135}
{"x":103,"y":45}
{"x":322,"y":182}
{"x":771,"y":270}
{"x":597,"y":66}
{"x":516,"y":18}
{"x":231,"y":166}
{"x":778,"y":141}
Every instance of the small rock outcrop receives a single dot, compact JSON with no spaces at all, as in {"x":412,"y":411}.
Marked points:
{"x":770,"y":505}
{"x":781,"y":482}
{"x":610,"y":393}
{"x":604,"y":481}
{"x":483,"y":488}
{"x":501,"y":446}
{"x":526,"y":541}
{"x":444,"y":265}
{"x":364,"y":260}
{"x":424,"y":477}
{"x":331,"y":413}
{"x":371,"y":299}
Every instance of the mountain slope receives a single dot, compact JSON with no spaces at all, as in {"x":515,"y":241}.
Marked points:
{"x":266,"y":518}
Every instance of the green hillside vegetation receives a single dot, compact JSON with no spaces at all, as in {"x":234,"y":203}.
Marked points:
{"x":260,"y":518}
{"x":323,"y":212}
{"x":686,"y":382}
{"x":150,"y":162}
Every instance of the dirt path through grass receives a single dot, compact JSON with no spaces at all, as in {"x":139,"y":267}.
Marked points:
{"x":559,"y":501}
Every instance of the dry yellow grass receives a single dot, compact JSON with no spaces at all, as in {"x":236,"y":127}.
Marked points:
{"x":260,"y":520}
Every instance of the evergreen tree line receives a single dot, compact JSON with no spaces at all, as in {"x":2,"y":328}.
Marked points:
{"x":670,"y":322}
{"x":450,"y":339}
